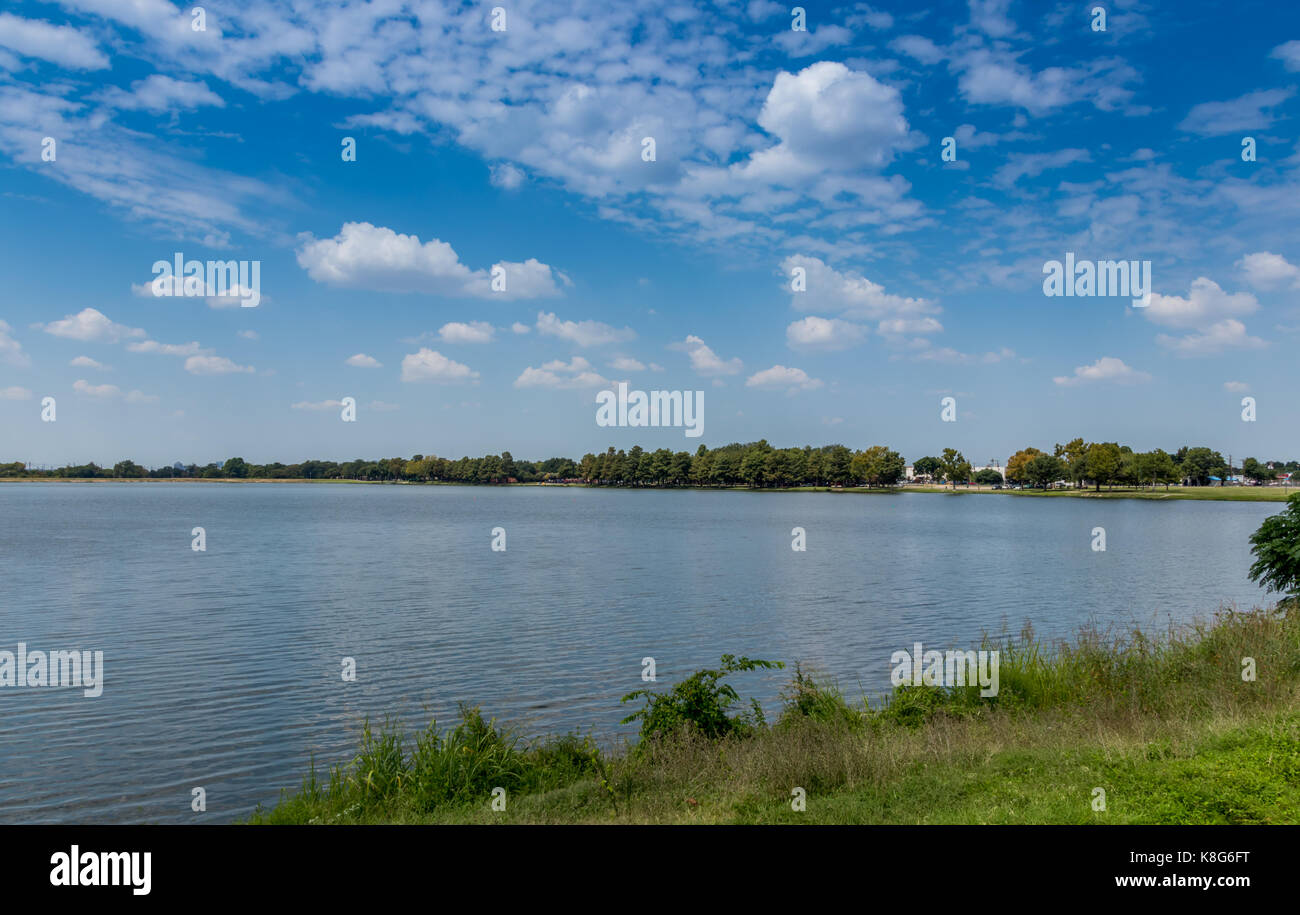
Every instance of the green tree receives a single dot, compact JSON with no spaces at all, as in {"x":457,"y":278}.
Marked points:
{"x":1199,"y":464}
{"x":954,"y":466}
{"x":988,"y":476}
{"x":1103,"y":460}
{"x":1276,"y":546}
{"x":1044,"y":470}
{"x":927,"y":467}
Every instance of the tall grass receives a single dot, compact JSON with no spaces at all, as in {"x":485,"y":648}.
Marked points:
{"x":1100,"y":692}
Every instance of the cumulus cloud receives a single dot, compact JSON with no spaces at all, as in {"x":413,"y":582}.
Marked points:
{"x":1265,"y":270}
{"x":430,"y":365}
{"x":1205,"y":304}
{"x":582,"y":333}
{"x":704,"y":360}
{"x":365,"y":256}
{"x":828,"y":116}
{"x":1219,"y":336}
{"x":849,"y":293}
{"x":813,"y":333}
{"x":85,"y":362}
{"x":215,"y":365}
{"x":1107,"y":368}
{"x":362,"y":361}
{"x":779,"y":376}
{"x":90,"y":326}
{"x":576,"y":373}
{"x":81,"y":386}
{"x":473,"y":332}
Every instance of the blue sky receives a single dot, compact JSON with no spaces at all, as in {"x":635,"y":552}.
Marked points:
{"x":774,"y":149}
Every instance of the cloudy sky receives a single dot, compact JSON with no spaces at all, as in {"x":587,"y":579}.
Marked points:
{"x":128,"y":135}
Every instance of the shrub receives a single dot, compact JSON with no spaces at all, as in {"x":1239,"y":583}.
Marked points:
{"x":700,"y":702}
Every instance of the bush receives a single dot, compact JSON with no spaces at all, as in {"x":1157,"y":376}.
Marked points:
{"x":700,"y":702}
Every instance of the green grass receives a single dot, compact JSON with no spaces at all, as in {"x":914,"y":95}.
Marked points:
{"x":1163,"y":723}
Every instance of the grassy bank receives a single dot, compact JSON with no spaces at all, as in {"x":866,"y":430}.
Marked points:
{"x":1166,"y":726}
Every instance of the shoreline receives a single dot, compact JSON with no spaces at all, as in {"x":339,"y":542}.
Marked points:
{"x":1176,"y":493}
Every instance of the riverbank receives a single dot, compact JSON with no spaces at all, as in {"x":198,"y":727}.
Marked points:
{"x":1103,"y":729}
{"x":1198,"y":493}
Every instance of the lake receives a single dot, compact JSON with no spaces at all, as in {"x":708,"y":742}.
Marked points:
{"x":223,"y":668}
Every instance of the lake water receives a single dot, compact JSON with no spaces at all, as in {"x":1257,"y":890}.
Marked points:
{"x":223,"y":668}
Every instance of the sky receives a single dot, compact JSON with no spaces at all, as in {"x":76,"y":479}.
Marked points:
{"x":136,"y":131}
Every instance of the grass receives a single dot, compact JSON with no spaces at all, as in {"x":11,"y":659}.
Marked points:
{"x":1163,"y":723}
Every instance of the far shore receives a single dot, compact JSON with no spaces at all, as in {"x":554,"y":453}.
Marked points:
{"x":1198,"y":493}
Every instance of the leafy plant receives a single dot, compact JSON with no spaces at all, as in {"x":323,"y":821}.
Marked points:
{"x":700,"y":702}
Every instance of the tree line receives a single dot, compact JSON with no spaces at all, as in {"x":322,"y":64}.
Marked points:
{"x":754,"y":464}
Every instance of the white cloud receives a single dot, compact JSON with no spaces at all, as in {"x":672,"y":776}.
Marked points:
{"x":953,"y":357}
{"x":582,"y":333}
{"x":520,"y":328}
{"x":626,"y":364}
{"x":1265,"y":270}
{"x":473,"y":332}
{"x":158,"y":93}
{"x":896,"y":327}
{"x":364,"y":256}
{"x":248,"y":334}
{"x":90,"y":326}
{"x":85,"y":362}
{"x":1289,"y":54}
{"x":1031,"y":165}
{"x":317,"y":406}
{"x":1219,"y":336}
{"x":81,"y":386}
{"x":576,"y":373}
{"x":59,"y":44}
{"x":1107,"y":368}
{"x":11,"y":351}
{"x":362,"y":361}
{"x":778,"y":376}
{"x":167,"y":349}
{"x":430,"y":365}
{"x":214,"y":365}
{"x":141,"y":397}
{"x":506,"y":176}
{"x":918,"y":47}
{"x":1236,"y":387}
{"x":704,"y":360}
{"x":1205,"y":304}
{"x":15,"y":393}
{"x":1249,"y":112}
{"x":849,"y":293}
{"x":828,"y":116}
{"x":829,"y":334}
